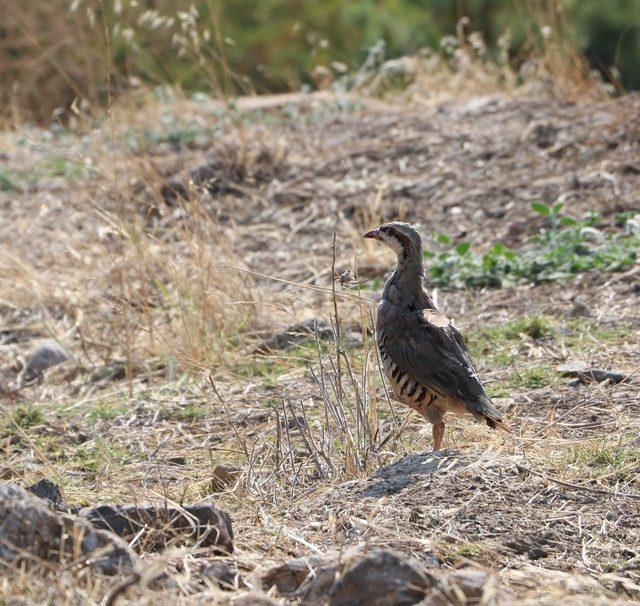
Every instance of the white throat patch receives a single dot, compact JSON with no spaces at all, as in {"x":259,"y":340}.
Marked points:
{"x":392,"y":243}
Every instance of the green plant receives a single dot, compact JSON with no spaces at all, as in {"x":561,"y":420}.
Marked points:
{"x":531,"y":378}
{"x":96,"y":456}
{"x":108,"y":410}
{"x":468,"y":550}
{"x":7,"y":180}
{"x":188,"y":413}
{"x":619,"y":462}
{"x":27,"y":416}
{"x":565,"y":247}
{"x":535,"y":327}
{"x":495,"y":344}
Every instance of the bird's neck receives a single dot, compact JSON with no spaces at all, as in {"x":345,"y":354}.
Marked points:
{"x":406,"y":282}
{"x":410,"y":269}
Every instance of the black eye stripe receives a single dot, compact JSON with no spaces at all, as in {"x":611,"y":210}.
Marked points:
{"x":400,"y":236}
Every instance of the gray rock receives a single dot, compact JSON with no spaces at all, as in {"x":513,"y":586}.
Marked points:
{"x":207,"y":524}
{"x":289,"y":576}
{"x":50,"y":492}
{"x":224,"y":477}
{"x":536,"y":553}
{"x":30,"y":531}
{"x":542,"y":134}
{"x":316,"y":587}
{"x":224,"y":573}
{"x":586,"y":374}
{"x":381,"y":578}
{"x":49,"y":353}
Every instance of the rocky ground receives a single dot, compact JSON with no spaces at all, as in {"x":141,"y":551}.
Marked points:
{"x":151,"y":270}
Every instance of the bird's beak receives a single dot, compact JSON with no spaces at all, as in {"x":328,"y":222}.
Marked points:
{"x":371,"y":234}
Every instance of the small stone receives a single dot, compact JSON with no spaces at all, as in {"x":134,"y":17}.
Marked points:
{"x":290,"y":575}
{"x":579,"y":309}
{"x":224,"y":573}
{"x":178,"y":460}
{"x":224,"y":476}
{"x":297,"y":422}
{"x":612,"y":516}
{"x":50,"y":492}
{"x":295,"y":335}
{"x":535,"y":553}
{"x":316,"y":586}
{"x":518,"y":546}
{"x":542,"y":134}
{"x":586,"y":374}
{"x":49,"y":353}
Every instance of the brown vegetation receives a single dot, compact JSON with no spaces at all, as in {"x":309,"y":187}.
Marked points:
{"x":165,"y":305}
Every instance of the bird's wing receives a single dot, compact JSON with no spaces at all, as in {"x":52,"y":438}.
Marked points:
{"x":426,"y":345}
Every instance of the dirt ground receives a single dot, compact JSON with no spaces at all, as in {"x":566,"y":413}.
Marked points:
{"x":165,"y":306}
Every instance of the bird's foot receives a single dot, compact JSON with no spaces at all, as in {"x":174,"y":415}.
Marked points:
{"x":438,"y":433}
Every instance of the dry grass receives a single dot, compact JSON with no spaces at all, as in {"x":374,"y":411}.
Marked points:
{"x":165,"y":382}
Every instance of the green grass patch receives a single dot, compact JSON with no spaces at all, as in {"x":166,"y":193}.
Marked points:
{"x":172,"y":130}
{"x":54,"y":165}
{"x":528,"y":378}
{"x":617,"y":462}
{"x":531,"y":378}
{"x":95,"y":456}
{"x":188,"y":413}
{"x":495,"y":343}
{"x":535,"y":327}
{"x":579,"y":329}
{"x":9,"y":181}
{"x":24,"y":417}
{"x":565,"y":248}
{"x":498,"y":389}
{"x":106,"y":411}
{"x":468,"y":550}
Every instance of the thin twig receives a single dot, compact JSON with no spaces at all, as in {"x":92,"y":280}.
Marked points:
{"x":609,"y":493}
{"x":120,"y":588}
{"x":335,"y":316}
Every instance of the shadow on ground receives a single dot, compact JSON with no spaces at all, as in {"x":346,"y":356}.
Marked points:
{"x":396,"y":477}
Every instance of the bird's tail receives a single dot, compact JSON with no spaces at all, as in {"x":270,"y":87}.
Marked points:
{"x":498,"y":424}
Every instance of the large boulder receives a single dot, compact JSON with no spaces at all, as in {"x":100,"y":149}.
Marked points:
{"x":381,"y":578}
{"x":30,"y":532}
{"x":205,"y":523}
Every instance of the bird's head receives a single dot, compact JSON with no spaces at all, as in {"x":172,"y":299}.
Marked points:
{"x":402,"y":238}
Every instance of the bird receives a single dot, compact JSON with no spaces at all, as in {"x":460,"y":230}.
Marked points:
{"x":424,"y":356}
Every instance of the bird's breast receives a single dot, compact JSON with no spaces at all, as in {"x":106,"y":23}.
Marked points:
{"x":405,"y":387}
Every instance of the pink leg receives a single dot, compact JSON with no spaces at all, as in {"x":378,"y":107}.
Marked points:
{"x":438,"y":433}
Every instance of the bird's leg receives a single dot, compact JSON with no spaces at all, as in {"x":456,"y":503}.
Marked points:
{"x":438,"y":433}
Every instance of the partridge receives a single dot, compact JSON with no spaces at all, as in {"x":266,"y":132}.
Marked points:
{"x":424,"y":356}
